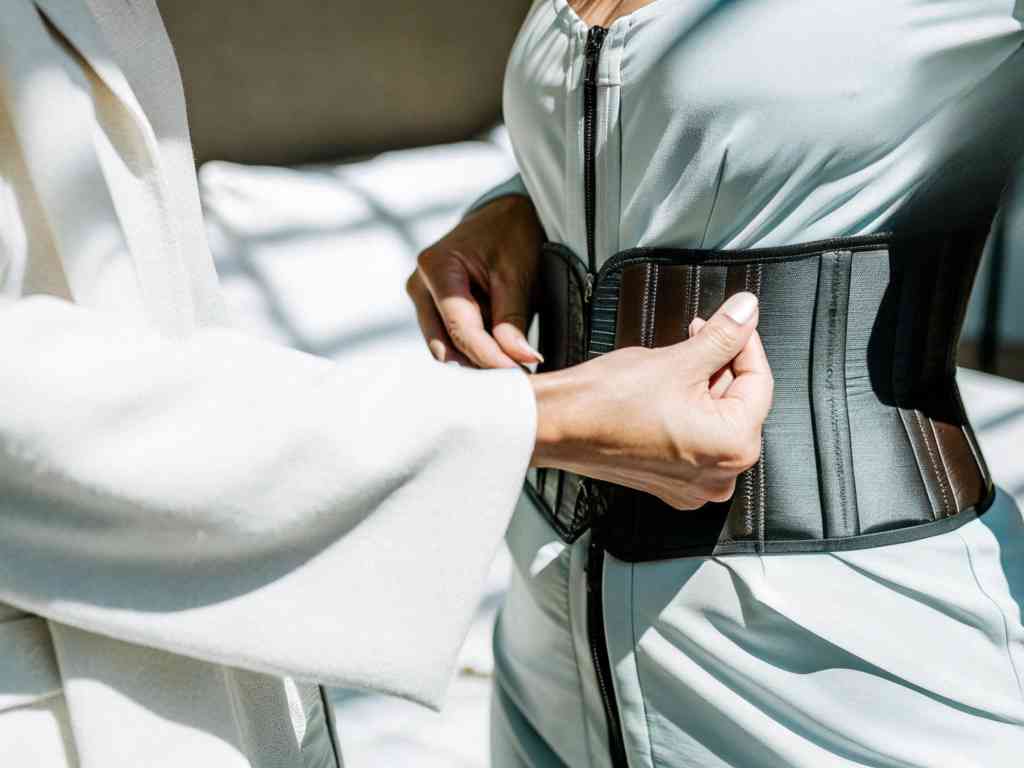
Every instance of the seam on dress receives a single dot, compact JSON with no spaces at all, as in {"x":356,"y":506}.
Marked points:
{"x":67,"y":729}
{"x":636,"y":660}
{"x":231,"y":692}
{"x":714,"y":197}
{"x":499,"y":691}
{"x":575,"y":656}
{"x":999,"y":610}
{"x":332,"y":737}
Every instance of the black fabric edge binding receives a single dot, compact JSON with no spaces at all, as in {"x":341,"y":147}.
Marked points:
{"x":760,"y":255}
{"x":816,"y":546}
{"x":567,"y":535}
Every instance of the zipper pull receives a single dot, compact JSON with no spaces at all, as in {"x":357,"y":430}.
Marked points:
{"x":592,"y":52}
{"x":588,"y":288}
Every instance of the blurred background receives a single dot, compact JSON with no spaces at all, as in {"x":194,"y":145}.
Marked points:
{"x":337,"y":139}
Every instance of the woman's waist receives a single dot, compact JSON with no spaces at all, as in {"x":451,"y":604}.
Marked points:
{"x":867,"y":436}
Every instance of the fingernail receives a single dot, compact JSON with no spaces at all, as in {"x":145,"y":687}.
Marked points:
{"x":741,"y":307}
{"x":526,"y":349}
{"x":437,"y":350}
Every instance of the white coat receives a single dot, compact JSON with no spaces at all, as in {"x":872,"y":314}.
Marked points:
{"x":188,"y":516}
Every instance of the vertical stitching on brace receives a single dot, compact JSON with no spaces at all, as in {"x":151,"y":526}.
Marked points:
{"x":752,"y":283}
{"x":696,"y":292}
{"x":649,"y":305}
{"x":688,"y":310}
{"x":955,"y":509}
{"x":761,"y":495}
{"x":939,"y":476}
{"x":830,"y":381}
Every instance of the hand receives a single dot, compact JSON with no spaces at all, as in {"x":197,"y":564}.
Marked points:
{"x":680,"y":422}
{"x":473,"y":287}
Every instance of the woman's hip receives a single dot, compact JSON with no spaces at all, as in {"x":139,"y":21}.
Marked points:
{"x":910,"y":654}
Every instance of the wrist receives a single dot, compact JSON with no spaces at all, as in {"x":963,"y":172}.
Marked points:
{"x":559,"y":437}
{"x":511,"y":204}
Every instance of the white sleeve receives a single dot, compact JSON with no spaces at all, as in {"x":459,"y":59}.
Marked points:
{"x":513,"y":186}
{"x":242,"y":503}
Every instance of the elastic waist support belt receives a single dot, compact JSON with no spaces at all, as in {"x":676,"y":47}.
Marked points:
{"x":867,"y":442}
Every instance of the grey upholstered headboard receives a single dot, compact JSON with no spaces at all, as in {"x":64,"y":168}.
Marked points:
{"x":277,"y":81}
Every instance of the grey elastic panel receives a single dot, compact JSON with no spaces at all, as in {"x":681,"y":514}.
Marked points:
{"x":828,"y":397}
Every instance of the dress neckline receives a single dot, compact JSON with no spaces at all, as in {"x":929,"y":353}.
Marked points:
{"x":565,"y":7}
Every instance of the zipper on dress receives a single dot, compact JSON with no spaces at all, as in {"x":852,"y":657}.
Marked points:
{"x":599,"y":652}
{"x":592,"y":56}
{"x":596,"y":555}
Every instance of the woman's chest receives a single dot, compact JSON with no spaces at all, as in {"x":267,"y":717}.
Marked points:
{"x":861,"y":73}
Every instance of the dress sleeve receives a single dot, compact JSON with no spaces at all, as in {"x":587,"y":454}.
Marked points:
{"x":242,"y":503}
{"x":513,"y":186}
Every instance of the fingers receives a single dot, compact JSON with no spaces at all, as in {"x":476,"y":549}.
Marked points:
{"x":510,"y":312}
{"x":448,"y":282}
{"x":724,"y":336}
{"x":754,"y":384}
{"x":431,"y":325}
{"x":723,"y":377}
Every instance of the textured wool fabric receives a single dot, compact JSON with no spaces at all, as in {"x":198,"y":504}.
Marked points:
{"x":190,"y":515}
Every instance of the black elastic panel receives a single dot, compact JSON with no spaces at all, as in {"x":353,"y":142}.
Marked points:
{"x":890,"y":491}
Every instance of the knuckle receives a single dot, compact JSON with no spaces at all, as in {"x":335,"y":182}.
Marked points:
{"x":720,"y":337}
{"x":748,"y":451}
{"x":740,"y":450}
{"x":456,"y":334}
{"x":427,"y":258}
{"x":722,"y":492}
{"x":412,"y":285}
{"x":517,"y":319}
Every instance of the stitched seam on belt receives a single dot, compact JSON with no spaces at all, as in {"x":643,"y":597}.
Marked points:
{"x":833,"y":313}
{"x":935,"y":467}
{"x":752,"y":282}
{"x":649,"y":305}
{"x":696,"y":292}
{"x":761,"y":494}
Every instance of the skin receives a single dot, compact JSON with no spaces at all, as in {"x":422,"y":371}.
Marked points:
{"x":680,"y":422}
{"x":605,"y":12}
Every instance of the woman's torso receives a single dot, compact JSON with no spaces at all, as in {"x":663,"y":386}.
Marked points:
{"x":742,"y":124}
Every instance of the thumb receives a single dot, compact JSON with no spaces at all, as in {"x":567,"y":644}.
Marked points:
{"x":724,"y":335}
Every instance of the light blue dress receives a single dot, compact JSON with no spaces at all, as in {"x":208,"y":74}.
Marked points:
{"x":761,"y":123}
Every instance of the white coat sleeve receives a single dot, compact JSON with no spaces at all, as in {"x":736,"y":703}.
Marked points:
{"x":242,"y":503}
